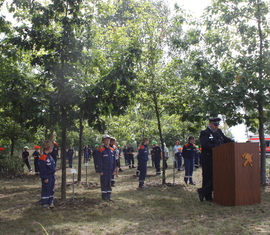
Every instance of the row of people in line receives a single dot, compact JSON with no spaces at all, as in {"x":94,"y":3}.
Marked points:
{"x":156,"y":156}
{"x":107,"y":163}
{"x":211,"y":137}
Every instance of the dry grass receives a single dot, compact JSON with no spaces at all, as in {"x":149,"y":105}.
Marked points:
{"x":159,"y":209}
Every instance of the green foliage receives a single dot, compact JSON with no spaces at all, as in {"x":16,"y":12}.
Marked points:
{"x":11,"y":165}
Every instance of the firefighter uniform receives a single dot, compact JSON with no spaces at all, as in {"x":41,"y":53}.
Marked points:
{"x":114,"y":152}
{"x":157,"y":156}
{"x":142,"y":161}
{"x":95,"y":157}
{"x":36,"y":155}
{"x":197,"y":157}
{"x":25,"y":157}
{"x":209,"y":139}
{"x":106,"y":165}
{"x":46,"y":171}
{"x":188,"y":155}
{"x":130,"y":157}
{"x":54,"y":153}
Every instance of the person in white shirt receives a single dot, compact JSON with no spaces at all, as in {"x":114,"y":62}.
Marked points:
{"x":175,"y":150}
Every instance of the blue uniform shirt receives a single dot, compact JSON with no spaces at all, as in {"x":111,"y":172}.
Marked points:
{"x":106,"y":159}
{"x":156,"y":152}
{"x":46,"y":166}
{"x":143,"y":153}
{"x":189,"y":151}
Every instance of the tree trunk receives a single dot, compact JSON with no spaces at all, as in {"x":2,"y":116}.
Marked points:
{"x":262,"y":146}
{"x":63,"y":156}
{"x":161,"y":140}
{"x":260,"y":98}
{"x":80,"y":152}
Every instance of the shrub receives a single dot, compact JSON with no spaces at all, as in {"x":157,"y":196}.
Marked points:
{"x":11,"y":165}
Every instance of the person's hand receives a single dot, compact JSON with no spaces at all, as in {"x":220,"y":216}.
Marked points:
{"x":46,"y":181}
{"x":113,"y":173}
{"x":101,"y":173}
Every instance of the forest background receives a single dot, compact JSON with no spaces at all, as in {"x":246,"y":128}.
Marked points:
{"x":131,"y":69}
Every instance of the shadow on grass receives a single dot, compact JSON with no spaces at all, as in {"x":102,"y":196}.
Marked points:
{"x":159,"y":209}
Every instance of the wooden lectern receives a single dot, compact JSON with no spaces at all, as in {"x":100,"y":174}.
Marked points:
{"x":236,"y":174}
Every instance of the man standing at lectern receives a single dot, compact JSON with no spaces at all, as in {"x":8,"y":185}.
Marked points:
{"x":211,"y":137}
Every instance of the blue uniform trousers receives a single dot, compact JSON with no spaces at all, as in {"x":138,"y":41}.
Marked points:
{"x":96,"y":163}
{"x":26,"y":161}
{"x":143,"y":169}
{"x":179,"y":162}
{"x":70,"y":161}
{"x":207,"y":184}
{"x":130,"y":159}
{"x":86,"y":156}
{"x":188,"y":169}
{"x":112,"y":181}
{"x":157,"y":164}
{"x":36,"y":165}
{"x":47,"y":191}
{"x":196,"y":160}
{"x":105,"y":181}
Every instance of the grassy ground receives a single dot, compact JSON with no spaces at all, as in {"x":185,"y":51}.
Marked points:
{"x":159,"y":209}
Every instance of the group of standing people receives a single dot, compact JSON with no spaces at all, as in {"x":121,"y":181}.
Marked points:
{"x":107,"y":162}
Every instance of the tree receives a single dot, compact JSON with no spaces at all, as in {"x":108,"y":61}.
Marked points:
{"x":53,"y":36}
{"x":233,"y":67}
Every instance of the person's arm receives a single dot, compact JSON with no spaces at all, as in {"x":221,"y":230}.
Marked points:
{"x":226,"y":139}
{"x":43,"y":168}
{"x":184,"y":152}
{"x":114,"y":163}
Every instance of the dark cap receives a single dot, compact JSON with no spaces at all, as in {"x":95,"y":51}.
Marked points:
{"x":215,"y":121}
{"x":106,"y":137}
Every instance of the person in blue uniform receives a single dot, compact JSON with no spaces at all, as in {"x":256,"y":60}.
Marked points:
{"x":142,"y":161}
{"x":211,"y":137}
{"x":47,"y":175}
{"x":86,"y":153}
{"x":25,"y":158}
{"x":156,"y":151}
{"x":36,"y":155}
{"x":70,"y":153}
{"x":112,"y":145}
{"x":95,"y":156}
{"x":197,"y":157}
{"x":106,"y":167}
{"x":178,"y":157}
{"x":125,"y":155}
{"x":54,"y":153}
{"x":188,"y":154}
{"x":130,"y":156}
{"x":90,"y":153}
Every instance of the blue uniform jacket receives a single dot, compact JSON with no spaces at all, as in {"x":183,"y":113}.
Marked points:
{"x":178,"y":155}
{"x":189,"y":151}
{"x":54,"y":153}
{"x":25,"y":155}
{"x":37,"y":154}
{"x":157,"y":152}
{"x":210,"y":139}
{"x":106,"y":159}
{"x":46,"y":166}
{"x":143,"y":153}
